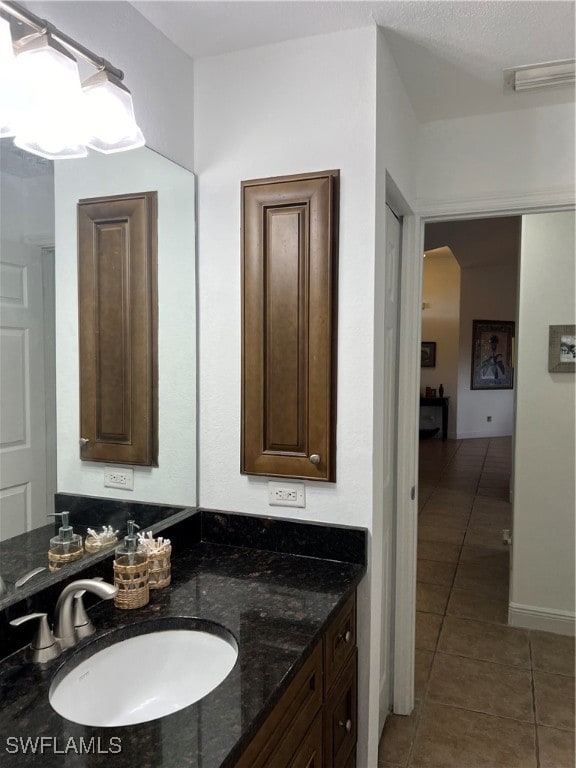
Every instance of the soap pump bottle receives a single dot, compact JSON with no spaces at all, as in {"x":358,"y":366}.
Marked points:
{"x":131,"y":570}
{"x":66,"y":546}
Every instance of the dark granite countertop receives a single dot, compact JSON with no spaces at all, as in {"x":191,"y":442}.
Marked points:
{"x":275,"y":604}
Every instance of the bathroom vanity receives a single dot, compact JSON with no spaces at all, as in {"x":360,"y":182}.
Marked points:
{"x":286,"y":592}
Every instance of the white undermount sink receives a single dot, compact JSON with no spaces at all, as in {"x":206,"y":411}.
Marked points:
{"x":147,"y":676}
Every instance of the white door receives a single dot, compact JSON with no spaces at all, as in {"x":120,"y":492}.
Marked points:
{"x":24,"y":446}
{"x":391,"y":315}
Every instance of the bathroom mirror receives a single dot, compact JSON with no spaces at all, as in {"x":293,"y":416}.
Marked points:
{"x":39,"y":396}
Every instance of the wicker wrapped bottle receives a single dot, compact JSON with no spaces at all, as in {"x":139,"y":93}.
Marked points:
{"x":131,"y":572}
{"x":66,"y":547}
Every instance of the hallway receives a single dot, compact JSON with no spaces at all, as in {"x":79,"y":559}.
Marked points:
{"x":487,"y":695}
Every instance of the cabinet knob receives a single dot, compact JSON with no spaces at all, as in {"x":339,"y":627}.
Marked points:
{"x":345,"y":637}
{"x":315,"y":458}
{"x":346,"y":724}
{"x":84,"y":441}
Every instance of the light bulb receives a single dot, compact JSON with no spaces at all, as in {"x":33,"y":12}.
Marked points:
{"x":52,"y":122}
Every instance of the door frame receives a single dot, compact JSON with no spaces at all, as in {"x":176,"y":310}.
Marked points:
{"x":406,"y":528}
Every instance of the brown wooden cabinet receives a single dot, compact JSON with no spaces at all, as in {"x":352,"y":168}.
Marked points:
{"x":289,"y":285}
{"x":314,"y":725}
{"x":117,"y":297}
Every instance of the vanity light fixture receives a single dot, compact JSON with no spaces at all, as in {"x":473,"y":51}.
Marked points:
{"x":8,"y":90}
{"x":49,"y":112}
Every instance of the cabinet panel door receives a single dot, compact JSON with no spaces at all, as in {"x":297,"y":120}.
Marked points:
{"x":117,"y":241}
{"x":289,"y":326}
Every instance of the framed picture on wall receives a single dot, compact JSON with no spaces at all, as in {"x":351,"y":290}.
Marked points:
{"x":562,"y":348}
{"x":428,"y":354}
{"x":492,"y":356}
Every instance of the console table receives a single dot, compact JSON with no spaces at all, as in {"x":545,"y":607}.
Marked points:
{"x":439,"y":402}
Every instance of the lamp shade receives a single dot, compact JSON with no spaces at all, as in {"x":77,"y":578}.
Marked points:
{"x":51,"y":122}
{"x":110,"y":115}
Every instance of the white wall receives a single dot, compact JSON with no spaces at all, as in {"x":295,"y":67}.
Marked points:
{"x":542,"y":588}
{"x":158,"y":74}
{"x":174,"y":480}
{"x":303,"y":105}
{"x":491,"y":158}
{"x":488,"y":292}
{"x":441,"y":323}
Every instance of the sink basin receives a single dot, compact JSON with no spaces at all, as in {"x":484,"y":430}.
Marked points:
{"x":164,"y":666}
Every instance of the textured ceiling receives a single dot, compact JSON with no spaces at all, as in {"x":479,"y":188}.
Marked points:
{"x":450,"y":55}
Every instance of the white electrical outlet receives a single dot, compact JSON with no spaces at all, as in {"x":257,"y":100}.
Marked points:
{"x":115,"y":477}
{"x":286,"y":494}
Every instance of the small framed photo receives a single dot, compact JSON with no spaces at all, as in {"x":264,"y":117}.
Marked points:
{"x":562,"y":349}
{"x":428,"y":354}
{"x":492,"y":354}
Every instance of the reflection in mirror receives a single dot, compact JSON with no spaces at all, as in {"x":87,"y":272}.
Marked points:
{"x":39,"y":424}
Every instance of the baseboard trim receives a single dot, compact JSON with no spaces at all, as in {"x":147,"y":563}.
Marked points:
{"x":469,"y":435}
{"x":532,"y":617}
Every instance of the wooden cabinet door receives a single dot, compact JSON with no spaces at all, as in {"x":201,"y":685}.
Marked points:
{"x":289,"y":278}
{"x":117,"y":296}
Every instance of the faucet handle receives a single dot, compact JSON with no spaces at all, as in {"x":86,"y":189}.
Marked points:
{"x":44,"y":646}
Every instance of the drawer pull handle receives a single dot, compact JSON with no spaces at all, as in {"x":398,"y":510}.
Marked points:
{"x":347,"y":725}
{"x":344,"y":638}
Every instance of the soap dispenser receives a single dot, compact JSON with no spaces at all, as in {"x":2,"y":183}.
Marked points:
{"x":66,"y":547}
{"x":131,"y":572}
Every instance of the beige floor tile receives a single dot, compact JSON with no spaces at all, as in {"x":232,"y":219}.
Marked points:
{"x":431,"y":598}
{"x":453,"y":497}
{"x":439,"y":520}
{"x":427,"y":532}
{"x":554,"y":696}
{"x":552,"y":653}
{"x":422,"y":665}
{"x":475,"y":605}
{"x":428,"y":627}
{"x":483,"y":570}
{"x":556,"y":748}
{"x":468,"y":485}
{"x":455,"y":738}
{"x":397,"y":739}
{"x":500,"y":494}
{"x":481,"y":686}
{"x":484,"y":641}
{"x":486,"y":537}
{"x":434,"y":572}
{"x":439,"y":551}
{"x":497,"y":516}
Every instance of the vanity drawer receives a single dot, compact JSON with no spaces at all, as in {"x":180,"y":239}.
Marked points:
{"x":339,"y":642}
{"x":276,"y":743}
{"x":340,"y":719}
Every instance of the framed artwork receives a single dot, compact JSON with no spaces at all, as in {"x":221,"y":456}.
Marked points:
{"x":428,"y":354}
{"x":492,"y":354}
{"x":562,"y":348}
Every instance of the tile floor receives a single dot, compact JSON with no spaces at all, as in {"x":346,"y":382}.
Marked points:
{"x":487,"y":695}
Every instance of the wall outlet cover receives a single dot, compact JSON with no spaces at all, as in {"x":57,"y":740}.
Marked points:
{"x":286,"y":494}
{"x":118,"y":477}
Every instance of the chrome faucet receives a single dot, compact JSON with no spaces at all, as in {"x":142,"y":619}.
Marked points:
{"x":64,"y":631}
{"x":71,"y":623}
